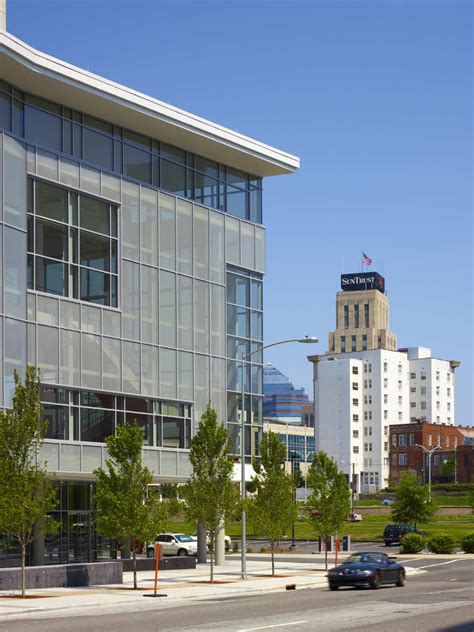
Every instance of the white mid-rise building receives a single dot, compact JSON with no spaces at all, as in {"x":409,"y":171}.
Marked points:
{"x":357,"y":396}
{"x":431,"y":387}
{"x":360,"y":393}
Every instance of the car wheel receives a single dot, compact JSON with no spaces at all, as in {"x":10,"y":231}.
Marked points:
{"x":376,"y":582}
{"x":333,"y":587}
{"x":401,"y":580}
{"x":182,"y":552}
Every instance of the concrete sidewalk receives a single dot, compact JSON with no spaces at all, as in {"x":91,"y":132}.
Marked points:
{"x":181,"y":588}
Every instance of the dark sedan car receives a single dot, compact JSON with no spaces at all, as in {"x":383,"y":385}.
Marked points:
{"x":367,"y":569}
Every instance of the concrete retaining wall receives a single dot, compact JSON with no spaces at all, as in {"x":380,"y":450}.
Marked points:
{"x":166,"y":563}
{"x":63,"y":575}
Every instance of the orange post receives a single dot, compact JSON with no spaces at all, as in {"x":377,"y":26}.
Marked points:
{"x":157,"y":561}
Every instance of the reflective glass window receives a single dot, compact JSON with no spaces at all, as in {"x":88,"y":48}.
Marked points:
{"x":95,"y":251}
{"x":94,"y":215}
{"x":5,"y":111}
{"x":51,"y":240}
{"x":95,"y":287}
{"x":173,"y":177}
{"x":51,"y":276}
{"x":96,"y":425}
{"x":136,"y":163}
{"x":51,"y":201}
{"x":173,"y":433}
{"x":43,"y":128}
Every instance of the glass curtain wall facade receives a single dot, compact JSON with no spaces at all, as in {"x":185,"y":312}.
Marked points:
{"x":131,"y":275}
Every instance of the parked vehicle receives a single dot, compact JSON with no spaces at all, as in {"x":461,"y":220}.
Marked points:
{"x":393,"y":533}
{"x":354,"y":517}
{"x":227,"y":541}
{"x":174,"y":544}
{"x":367,"y":569}
{"x":386,"y":502}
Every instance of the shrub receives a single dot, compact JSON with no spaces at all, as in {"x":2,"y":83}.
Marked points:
{"x":442,"y":543}
{"x":412,"y":543}
{"x":263,"y":549}
{"x":235,"y":547}
{"x":468,"y":543}
{"x":249,"y":549}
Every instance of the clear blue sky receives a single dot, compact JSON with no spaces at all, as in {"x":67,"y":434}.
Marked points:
{"x":376,"y":99}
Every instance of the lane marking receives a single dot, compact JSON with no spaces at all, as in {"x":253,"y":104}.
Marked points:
{"x":438,"y":564}
{"x":267,"y":627}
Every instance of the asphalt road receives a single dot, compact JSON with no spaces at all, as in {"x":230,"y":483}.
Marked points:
{"x":441,"y":599}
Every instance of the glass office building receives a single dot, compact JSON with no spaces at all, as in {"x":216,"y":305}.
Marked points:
{"x":132,"y":263}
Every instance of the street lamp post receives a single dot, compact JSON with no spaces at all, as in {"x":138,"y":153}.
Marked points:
{"x":429,"y":453}
{"x":244,"y":357}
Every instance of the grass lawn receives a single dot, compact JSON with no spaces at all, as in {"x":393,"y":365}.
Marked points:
{"x":451,"y":501}
{"x":370,"y":529}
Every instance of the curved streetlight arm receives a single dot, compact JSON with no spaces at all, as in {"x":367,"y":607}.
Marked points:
{"x":307,"y":340}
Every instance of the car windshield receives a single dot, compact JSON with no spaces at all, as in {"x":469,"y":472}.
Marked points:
{"x":183,"y":538}
{"x":369,"y":558}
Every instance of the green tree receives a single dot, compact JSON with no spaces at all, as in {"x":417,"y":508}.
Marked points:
{"x":275,"y":508}
{"x":411,"y":501}
{"x":329,"y":502}
{"x":211,"y":496}
{"x":298,"y":477}
{"x":125,"y":510}
{"x":448,"y":467}
{"x":26,"y":491}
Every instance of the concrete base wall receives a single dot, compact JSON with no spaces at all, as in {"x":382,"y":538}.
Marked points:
{"x":63,"y":575}
{"x":166,"y":563}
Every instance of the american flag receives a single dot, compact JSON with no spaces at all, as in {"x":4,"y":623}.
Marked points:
{"x":365,"y":259}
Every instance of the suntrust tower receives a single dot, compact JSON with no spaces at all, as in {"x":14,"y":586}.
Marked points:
{"x":133,"y":255}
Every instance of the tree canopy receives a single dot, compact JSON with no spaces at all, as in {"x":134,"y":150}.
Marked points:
{"x":211,"y":496}
{"x":274,"y":503}
{"x":125,"y":509}
{"x":329,"y":502}
{"x":411,"y":501}
{"x":26,"y":490}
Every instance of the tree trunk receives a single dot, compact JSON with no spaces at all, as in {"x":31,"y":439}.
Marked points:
{"x":134,"y":568}
{"x":273,"y":558}
{"x":23,"y":570}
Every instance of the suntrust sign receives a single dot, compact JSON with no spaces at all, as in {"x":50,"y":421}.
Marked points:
{"x":362,"y":281}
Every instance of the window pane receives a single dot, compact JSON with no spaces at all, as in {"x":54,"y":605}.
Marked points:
{"x":136,"y":163}
{"x":236,"y":177}
{"x":167,"y":309}
{"x":206,"y":190}
{"x":95,"y":251}
{"x":51,"y":240}
{"x":185,"y":313}
{"x":150,"y":376}
{"x":14,"y":182}
{"x":201,"y":384}
{"x":173,"y":153}
{"x":257,"y":295}
{"x":149,"y":225}
{"x":130,"y":221}
{"x":111,"y":364}
{"x":256,"y":206}
{"x":237,"y":202}
{"x":51,"y":276}
{"x":131,"y":300}
{"x":201,"y":317}
{"x":149,"y":311}
{"x":5,"y":111}
{"x":217,"y":320}
{"x":259,"y":249}
{"x":56,"y":418}
{"x":42,"y":128}
{"x":15,"y":354}
{"x":69,"y":360}
{"x":232,"y":241}
{"x":168,"y":373}
{"x":185,"y":236}
{"x":97,"y":425}
{"x":131,"y":367}
{"x":91,"y":355}
{"x":48,"y":353}
{"x":257,"y":326}
{"x":167,"y":232}
{"x":173,"y":433}
{"x":95,"y":215}
{"x":206,"y":166}
{"x":238,"y":321}
{"x":173,"y":177}
{"x":238,"y":288}
{"x":201,"y":242}
{"x":217,"y":248}
{"x":15,"y":273}
{"x":98,"y":148}
{"x":247,"y":233}
{"x":95,"y":287}
{"x":185,"y":376}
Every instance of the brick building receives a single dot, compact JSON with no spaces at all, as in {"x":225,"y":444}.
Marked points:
{"x":405,"y":453}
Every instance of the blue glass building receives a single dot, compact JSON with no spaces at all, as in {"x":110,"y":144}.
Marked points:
{"x":281,"y":400}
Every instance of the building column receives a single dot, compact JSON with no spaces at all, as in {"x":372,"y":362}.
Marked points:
{"x":37,"y":546}
{"x":202,"y":544}
{"x":220,"y":547}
